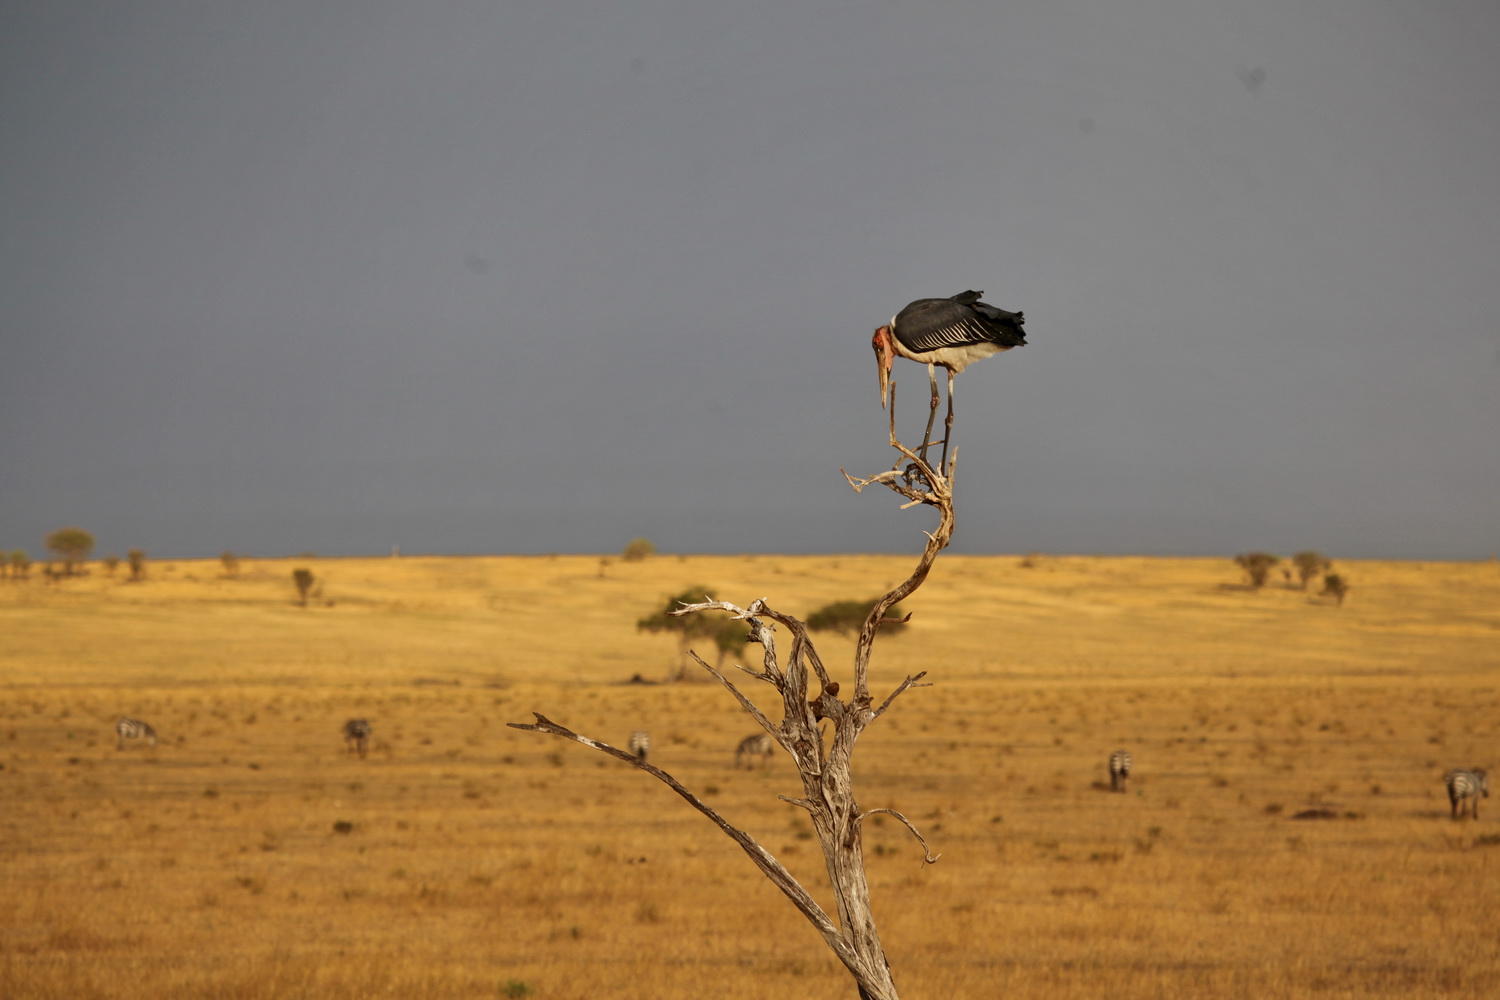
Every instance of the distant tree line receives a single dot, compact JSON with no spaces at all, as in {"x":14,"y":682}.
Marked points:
{"x":16,"y":565}
{"x":1307,"y":566}
{"x":70,"y":548}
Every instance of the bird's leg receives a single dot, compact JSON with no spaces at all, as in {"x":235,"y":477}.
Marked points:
{"x":948,"y":425}
{"x":932,"y":413}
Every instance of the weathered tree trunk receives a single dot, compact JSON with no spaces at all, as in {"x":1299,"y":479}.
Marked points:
{"x":827,"y":782}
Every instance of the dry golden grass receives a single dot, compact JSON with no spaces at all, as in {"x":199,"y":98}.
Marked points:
{"x":484,"y":862}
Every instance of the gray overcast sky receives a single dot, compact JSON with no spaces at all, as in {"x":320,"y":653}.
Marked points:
{"x":540,"y":277}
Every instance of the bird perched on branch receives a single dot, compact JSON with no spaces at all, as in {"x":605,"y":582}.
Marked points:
{"x":951,"y":333}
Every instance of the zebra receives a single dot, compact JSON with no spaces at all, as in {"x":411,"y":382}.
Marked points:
{"x":1119,"y":770}
{"x":639,"y":744}
{"x":755,"y":745}
{"x":1466,"y":783}
{"x":357,"y":736}
{"x":132,"y":730}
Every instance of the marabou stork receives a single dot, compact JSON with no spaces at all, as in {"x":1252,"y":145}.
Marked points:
{"x":953,"y":333}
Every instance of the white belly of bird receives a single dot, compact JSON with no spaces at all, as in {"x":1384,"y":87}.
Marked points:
{"x":959,"y":356}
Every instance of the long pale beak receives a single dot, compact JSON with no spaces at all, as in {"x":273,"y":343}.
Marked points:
{"x":883,"y":357}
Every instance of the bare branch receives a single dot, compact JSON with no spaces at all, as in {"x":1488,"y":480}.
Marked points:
{"x":884,"y":478}
{"x":927,"y":487}
{"x":910,"y":682}
{"x":762,"y":858}
{"x":765,"y":635}
{"x":928,"y":857}
{"x":710,"y":605}
{"x":801,"y":642}
{"x":817,"y":662}
{"x":749,"y":706}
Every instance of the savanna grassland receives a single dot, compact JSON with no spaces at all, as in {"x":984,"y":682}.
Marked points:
{"x":248,"y":855}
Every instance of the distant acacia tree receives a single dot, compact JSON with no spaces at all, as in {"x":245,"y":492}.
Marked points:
{"x":729,"y":640}
{"x":1309,"y":564}
{"x":111,"y":563}
{"x":848,"y":617}
{"x":1336,"y":587}
{"x":303,"y":578}
{"x":1256,"y":565}
{"x":20,"y":563}
{"x":638,"y":550}
{"x":231,"y":563}
{"x":72,"y":546}
{"x":727,"y":635}
{"x":137,"y":559}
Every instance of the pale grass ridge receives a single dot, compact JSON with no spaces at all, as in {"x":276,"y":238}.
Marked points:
{"x":209,"y":866}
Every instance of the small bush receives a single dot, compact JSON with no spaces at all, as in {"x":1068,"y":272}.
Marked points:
{"x":1309,"y":564}
{"x":638,"y":550}
{"x":1256,"y":566}
{"x":303,"y":578}
{"x":72,"y":546}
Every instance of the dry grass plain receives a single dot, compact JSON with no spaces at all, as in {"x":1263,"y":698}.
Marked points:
{"x":485,"y":862}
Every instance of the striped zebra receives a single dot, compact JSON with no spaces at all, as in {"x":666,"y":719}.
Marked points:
{"x":1119,"y":770}
{"x":639,"y":744}
{"x":357,"y":736}
{"x":1466,"y":783}
{"x":132,"y":731}
{"x":753,"y":746}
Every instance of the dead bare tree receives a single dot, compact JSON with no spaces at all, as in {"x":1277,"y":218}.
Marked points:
{"x":827,"y":782}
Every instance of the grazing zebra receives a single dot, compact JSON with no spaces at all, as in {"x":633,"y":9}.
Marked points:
{"x":1466,"y":783}
{"x":639,"y":744}
{"x":751,"y":747}
{"x":357,"y":736}
{"x":131,"y":730}
{"x":1119,"y":770}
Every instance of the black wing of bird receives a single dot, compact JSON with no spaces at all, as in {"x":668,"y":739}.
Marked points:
{"x":930,"y":324}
